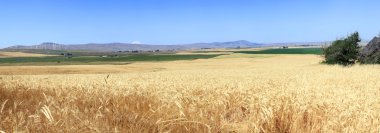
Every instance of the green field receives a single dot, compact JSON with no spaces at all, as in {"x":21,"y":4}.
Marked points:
{"x":60,"y":60}
{"x":317,"y":51}
{"x":81,"y":57}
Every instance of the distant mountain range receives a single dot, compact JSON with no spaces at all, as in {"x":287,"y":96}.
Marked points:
{"x":129,"y":46}
{"x":106,"y":47}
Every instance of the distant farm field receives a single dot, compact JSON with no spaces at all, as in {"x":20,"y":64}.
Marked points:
{"x":4,"y":54}
{"x":316,"y":51}
{"x":75,"y":60}
{"x":93,"y":58}
{"x":228,"y":93}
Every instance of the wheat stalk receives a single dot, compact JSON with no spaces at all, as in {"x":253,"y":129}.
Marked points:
{"x":46,"y":111}
{"x":3,"y":105}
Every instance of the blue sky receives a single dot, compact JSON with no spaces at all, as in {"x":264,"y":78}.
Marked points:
{"x":30,"y":22}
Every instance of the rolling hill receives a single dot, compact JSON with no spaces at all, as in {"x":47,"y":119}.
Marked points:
{"x":129,"y":46}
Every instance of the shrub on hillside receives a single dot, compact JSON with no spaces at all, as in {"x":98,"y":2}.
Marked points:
{"x":343,"y":51}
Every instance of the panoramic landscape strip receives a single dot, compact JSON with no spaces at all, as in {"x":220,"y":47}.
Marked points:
{"x":196,"y":66}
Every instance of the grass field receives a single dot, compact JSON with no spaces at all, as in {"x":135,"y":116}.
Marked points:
{"x":236,"y":93}
{"x":316,"y":51}
{"x":61,"y":60}
{"x":89,"y":58}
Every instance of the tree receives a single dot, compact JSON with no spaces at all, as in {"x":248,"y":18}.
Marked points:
{"x":343,"y":51}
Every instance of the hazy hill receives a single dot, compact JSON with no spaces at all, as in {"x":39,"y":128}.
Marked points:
{"x":233,"y":44}
{"x":128,"y":46}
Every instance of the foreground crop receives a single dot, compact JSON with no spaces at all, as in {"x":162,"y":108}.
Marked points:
{"x":292,"y":96}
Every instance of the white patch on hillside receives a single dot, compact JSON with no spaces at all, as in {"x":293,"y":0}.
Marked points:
{"x":136,"y":42}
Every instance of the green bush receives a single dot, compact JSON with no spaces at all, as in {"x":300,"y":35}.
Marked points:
{"x":344,"y":51}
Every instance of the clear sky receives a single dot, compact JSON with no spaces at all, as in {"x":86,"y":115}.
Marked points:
{"x":30,"y":22}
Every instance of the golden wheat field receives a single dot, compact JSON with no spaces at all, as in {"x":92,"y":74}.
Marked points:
{"x":232,"y":93}
{"x":4,"y":54}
